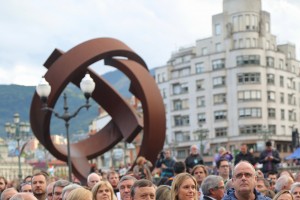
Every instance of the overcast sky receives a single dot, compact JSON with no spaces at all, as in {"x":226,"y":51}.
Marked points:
{"x":30,"y":30}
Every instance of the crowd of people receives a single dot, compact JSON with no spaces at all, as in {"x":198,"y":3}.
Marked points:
{"x":235,"y":178}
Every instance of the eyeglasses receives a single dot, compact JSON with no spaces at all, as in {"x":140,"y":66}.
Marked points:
{"x":240,"y":175}
{"x":224,"y":166}
{"x":219,"y":188}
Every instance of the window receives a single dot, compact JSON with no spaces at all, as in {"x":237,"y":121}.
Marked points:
{"x":281,"y":97}
{"x":281,"y":79}
{"x":250,"y":112}
{"x":250,"y":129}
{"x":235,"y":23}
{"x":218,"y":29}
{"x":180,"y":104}
{"x":292,"y":115}
{"x":221,"y":132}
{"x":248,"y":60}
{"x":270,"y":62}
{"x":249,"y":95}
{"x":201,"y":101}
{"x":272,"y":113}
{"x":282,"y":114}
{"x":180,"y":88}
{"x":291,"y":99}
{"x":281,"y":64}
{"x":271,"y":95}
{"x":220,"y":98}
{"x":199,"y":68}
{"x":181,"y":120}
{"x":200,"y":84}
{"x":181,"y":72}
{"x":271,"y":79}
{"x":204,"y":51}
{"x":219,"y":81}
{"x":201,"y":118}
{"x":218,"y":47}
{"x":248,"y":43}
{"x":246,"y":78}
{"x":220,"y":115}
{"x":218,"y":64}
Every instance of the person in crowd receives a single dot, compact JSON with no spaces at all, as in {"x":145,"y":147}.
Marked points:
{"x":167,"y":165}
{"x":297,"y":176}
{"x":263,"y":186}
{"x":223,"y":154}
{"x":223,"y":167}
{"x":125,"y":184}
{"x":23,"y":196}
{"x":49,"y":191}
{"x":213,"y":188}
{"x":272,"y":178}
{"x":193,"y":159}
{"x":80,"y":194}
{"x":179,"y":167}
{"x":68,"y":189}
{"x":143,"y":189}
{"x":229,"y":185}
{"x":269,"y":158}
{"x":163,"y":192}
{"x":199,"y":172}
{"x":184,"y":187}
{"x":284,"y":182}
{"x":26,"y":187}
{"x":142,"y":168}
{"x":113,"y":179}
{"x":92,"y":179}
{"x":3,"y":184}
{"x":58,"y":188}
{"x":283,"y":195}
{"x":122,"y":169}
{"x":103,"y":191}
{"x":39,"y":184}
{"x":244,"y":182}
{"x":295,"y":190}
{"x":8,"y":193}
{"x":244,"y":154}
{"x":27,"y":179}
{"x":286,"y":172}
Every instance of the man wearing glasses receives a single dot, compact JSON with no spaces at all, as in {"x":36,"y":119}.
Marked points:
{"x":223,"y":167}
{"x":213,"y":188}
{"x":244,"y":182}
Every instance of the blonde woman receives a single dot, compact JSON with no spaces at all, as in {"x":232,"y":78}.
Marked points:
{"x":184,"y":187}
{"x":142,"y":169}
{"x":103,"y":190}
{"x":80,"y":193}
{"x":283,"y":195}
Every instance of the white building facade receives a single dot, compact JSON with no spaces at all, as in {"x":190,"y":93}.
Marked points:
{"x":237,"y":86}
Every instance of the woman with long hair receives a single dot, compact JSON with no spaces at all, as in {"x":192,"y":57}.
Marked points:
{"x":103,"y":190}
{"x":184,"y":187}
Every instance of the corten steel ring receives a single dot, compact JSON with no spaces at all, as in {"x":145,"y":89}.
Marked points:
{"x":71,"y":66}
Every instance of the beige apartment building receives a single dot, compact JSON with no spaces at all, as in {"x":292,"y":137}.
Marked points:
{"x":237,"y":86}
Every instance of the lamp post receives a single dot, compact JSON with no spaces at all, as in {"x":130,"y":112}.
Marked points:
{"x":202,"y":134}
{"x":87,"y":86}
{"x":17,"y":131}
{"x":265,"y":133}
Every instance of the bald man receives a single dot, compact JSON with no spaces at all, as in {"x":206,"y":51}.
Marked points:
{"x":23,"y":196}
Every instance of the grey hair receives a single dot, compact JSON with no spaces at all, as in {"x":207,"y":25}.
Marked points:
{"x":3,"y":194}
{"x":210,"y":182}
{"x":294,"y":186}
{"x":139,"y":184}
{"x":281,"y":182}
{"x":23,"y":196}
{"x":222,"y":148}
{"x":70,"y":187}
{"x":126,"y":178}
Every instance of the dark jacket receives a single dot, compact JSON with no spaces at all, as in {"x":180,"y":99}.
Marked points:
{"x":274,"y":162}
{"x":248,"y":157}
{"x":207,"y":197}
{"x":168,"y":172}
{"x":230,"y":195}
{"x":192,"y":160}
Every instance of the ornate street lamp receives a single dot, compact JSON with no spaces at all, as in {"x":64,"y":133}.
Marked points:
{"x":18,"y":131}
{"x":87,"y":86}
{"x":202,"y":134}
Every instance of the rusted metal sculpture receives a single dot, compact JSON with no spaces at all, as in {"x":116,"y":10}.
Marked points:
{"x":71,"y":66}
